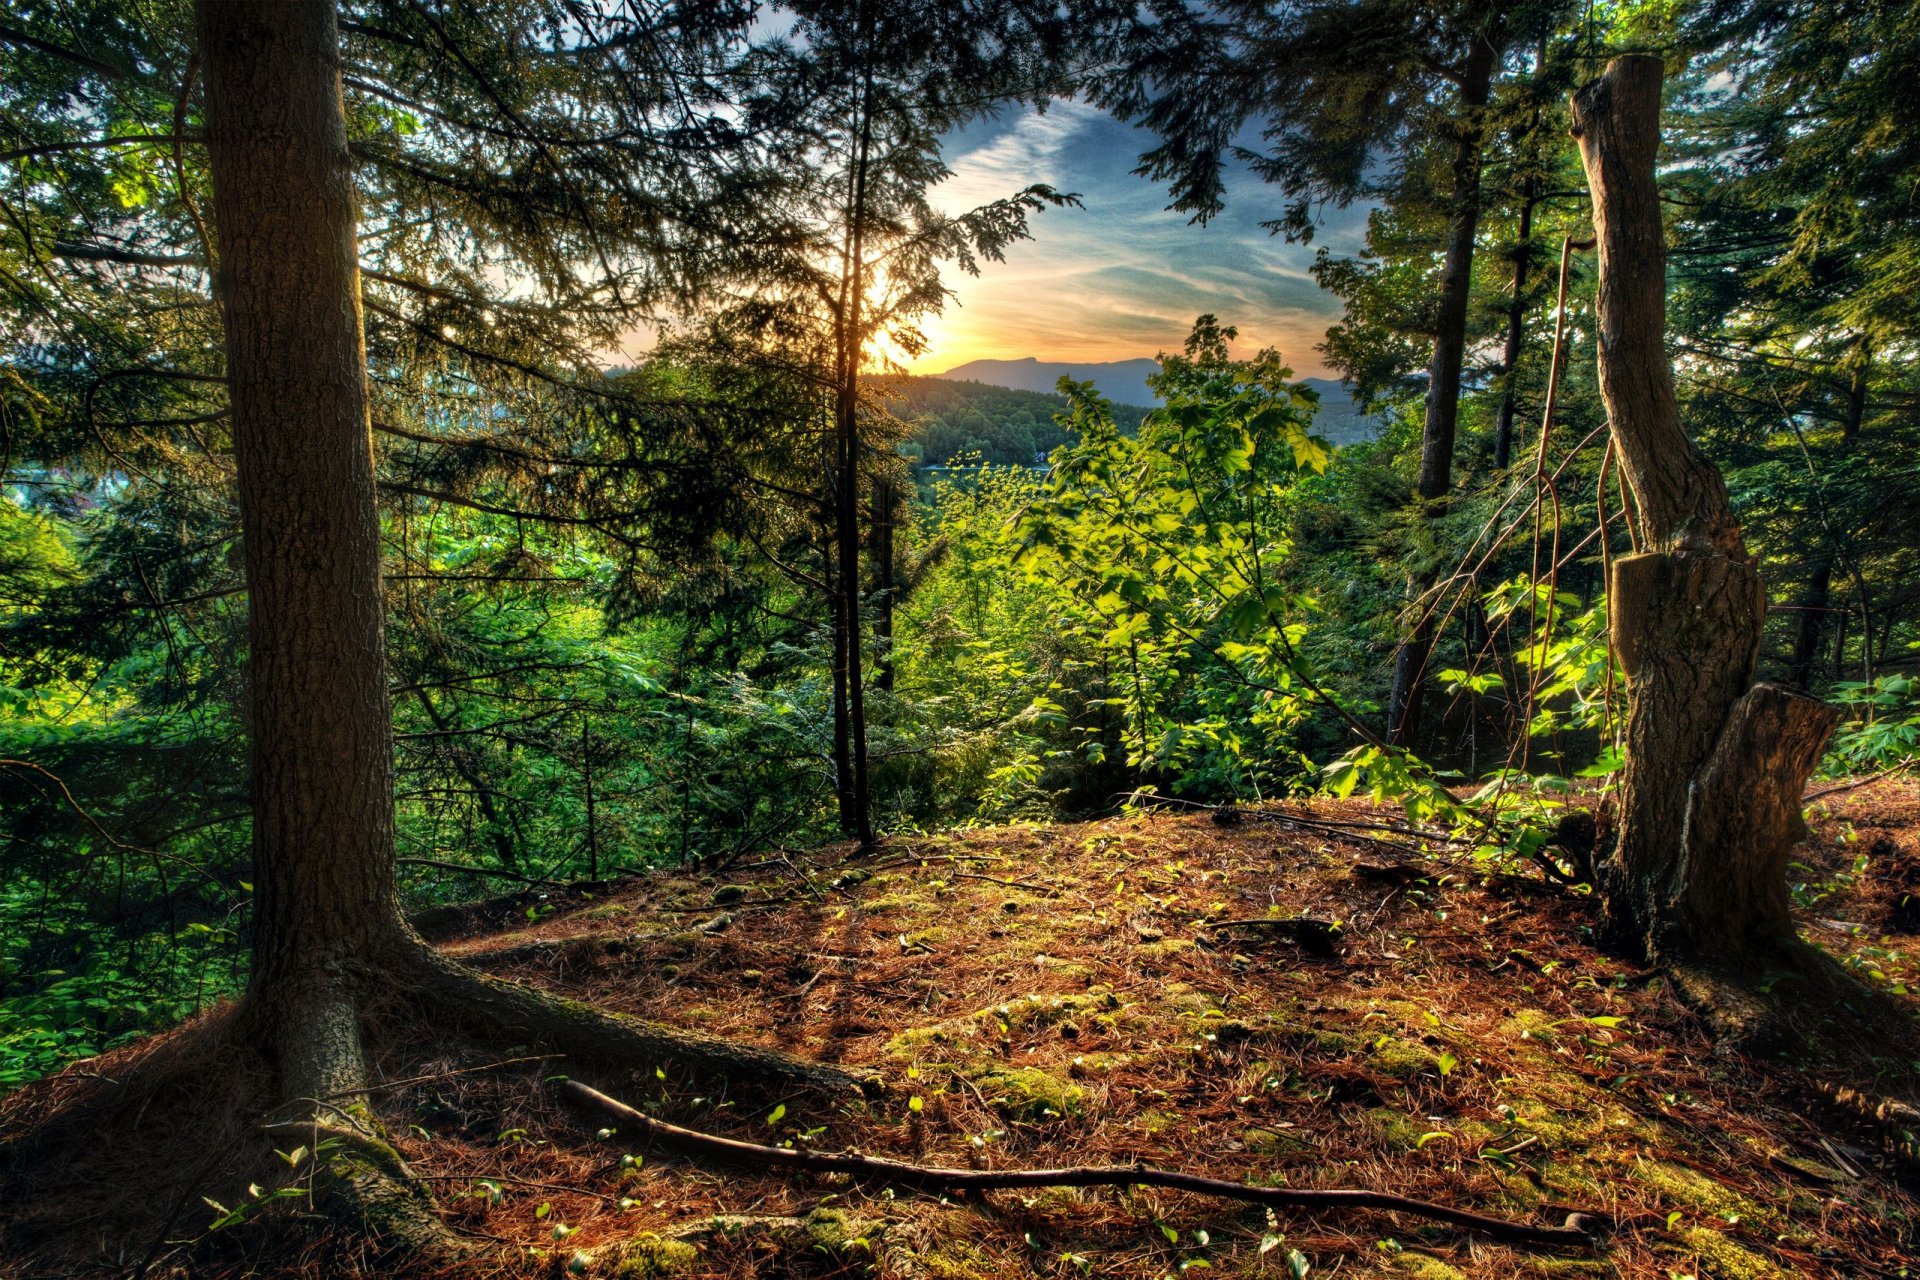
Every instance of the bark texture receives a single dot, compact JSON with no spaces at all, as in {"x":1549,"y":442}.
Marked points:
{"x":289,"y":285}
{"x":1710,"y":797}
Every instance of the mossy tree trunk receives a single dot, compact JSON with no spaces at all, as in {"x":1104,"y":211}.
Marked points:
{"x":1715,"y":767}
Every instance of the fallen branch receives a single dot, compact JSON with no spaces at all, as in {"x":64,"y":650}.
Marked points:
{"x":1579,"y":1231}
{"x":1867,"y":781}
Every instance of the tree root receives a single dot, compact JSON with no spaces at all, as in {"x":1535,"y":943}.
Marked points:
{"x":1894,"y":1122}
{"x":527,"y":1016}
{"x":355,"y":1177}
{"x":1580,"y":1231}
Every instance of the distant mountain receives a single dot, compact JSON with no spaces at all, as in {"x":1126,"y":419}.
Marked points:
{"x":1125,"y":382}
{"x":1121,"y":381}
{"x":997,"y":424}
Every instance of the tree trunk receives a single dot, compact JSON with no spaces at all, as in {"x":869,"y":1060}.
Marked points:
{"x":1516,"y":330}
{"x":851,"y":353}
{"x":1443,"y":380}
{"x":1715,"y":765}
{"x":1818,"y":598}
{"x":289,"y":286}
{"x":847,"y":536}
{"x":886,"y":582}
{"x":830,"y":575}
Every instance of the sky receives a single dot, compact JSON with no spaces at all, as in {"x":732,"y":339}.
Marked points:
{"x":1122,"y":277}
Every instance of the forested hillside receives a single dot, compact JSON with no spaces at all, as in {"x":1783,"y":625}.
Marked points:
{"x":1338,"y":417}
{"x":950,"y":419}
{"x":484,"y":614}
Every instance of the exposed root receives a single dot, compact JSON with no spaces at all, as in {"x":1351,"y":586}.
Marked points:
{"x":1579,"y":1232}
{"x":356,"y":1180}
{"x":1894,"y":1122}
{"x":527,"y":1016}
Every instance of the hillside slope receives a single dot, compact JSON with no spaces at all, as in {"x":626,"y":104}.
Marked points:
{"x":1125,"y":382}
{"x":1057,"y":995}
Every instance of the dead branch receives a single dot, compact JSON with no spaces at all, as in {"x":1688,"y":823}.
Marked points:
{"x":1579,"y":1232}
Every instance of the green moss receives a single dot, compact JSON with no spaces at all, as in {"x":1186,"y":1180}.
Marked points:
{"x":1683,"y":1188}
{"x":1335,"y":1043}
{"x":609,"y":911}
{"x":728,"y":893}
{"x":1165,"y":949}
{"x":916,"y":1042}
{"x":1037,"y":1012}
{"x":1426,"y":1267}
{"x":1722,"y":1259}
{"x":650,"y":1256}
{"x":1028,"y":1093}
{"x":839,"y":1234}
{"x":1530,"y":1024}
{"x":1570,"y":1179}
{"x":958,"y":1260}
{"x":1155,"y":1121}
{"x":1399,"y":1058}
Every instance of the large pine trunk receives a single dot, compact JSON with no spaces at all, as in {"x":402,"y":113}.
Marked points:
{"x":1715,"y":764}
{"x":289,"y":286}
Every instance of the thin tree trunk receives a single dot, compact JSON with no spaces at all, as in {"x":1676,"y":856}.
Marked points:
{"x":886,"y":582}
{"x":851,"y":352}
{"x":1815,"y":604}
{"x":503,"y":846}
{"x":1516,"y":330}
{"x":1715,"y":765}
{"x":321,"y":753}
{"x":1443,"y":381}
{"x":586,"y":784}
{"x":829,"y":574}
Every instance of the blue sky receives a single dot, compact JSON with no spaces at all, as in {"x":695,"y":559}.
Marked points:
{"x":1122,"y":277}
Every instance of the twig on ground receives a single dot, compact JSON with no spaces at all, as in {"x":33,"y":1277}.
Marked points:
{"x":1868,"y":781}
{"x":1579,"y":1232}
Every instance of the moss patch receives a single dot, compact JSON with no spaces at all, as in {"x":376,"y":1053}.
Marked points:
{"x":652,"y":1256}
{"x":1722,"y":1259}
{"x":1683,"y":1188}
{"x":1028,"y":1093}
{"x":1392,"y":1056}
{"x":1426,"y":1267}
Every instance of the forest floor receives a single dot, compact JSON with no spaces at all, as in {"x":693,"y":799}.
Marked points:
{"x":1062,"y":995}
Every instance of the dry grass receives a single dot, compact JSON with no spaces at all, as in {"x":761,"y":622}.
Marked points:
{"x":1053,"y":996}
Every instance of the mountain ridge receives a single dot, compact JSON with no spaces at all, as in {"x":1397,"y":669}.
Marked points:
{"x":1125,"y":382}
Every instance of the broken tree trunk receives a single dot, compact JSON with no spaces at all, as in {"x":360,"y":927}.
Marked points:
{"x":1715,"y":765}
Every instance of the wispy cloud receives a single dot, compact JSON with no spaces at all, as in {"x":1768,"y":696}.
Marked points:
{"x":1022,"y":155}
{"x":1123,"y":276}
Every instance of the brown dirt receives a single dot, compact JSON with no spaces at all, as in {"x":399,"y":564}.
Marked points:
{"x":1052,"y":995}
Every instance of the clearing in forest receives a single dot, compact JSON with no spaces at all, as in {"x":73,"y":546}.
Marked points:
{"x":1071,"y":995}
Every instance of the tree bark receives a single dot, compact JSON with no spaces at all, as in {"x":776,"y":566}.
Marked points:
{"x":289,"y":286}
{"x":1443,"y":379}
{"x":1715,"y":765}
